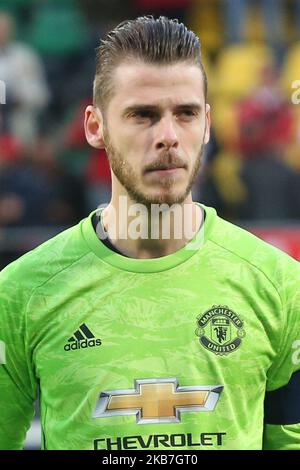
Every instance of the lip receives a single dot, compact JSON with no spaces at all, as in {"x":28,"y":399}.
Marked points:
{"x":166,"y":171}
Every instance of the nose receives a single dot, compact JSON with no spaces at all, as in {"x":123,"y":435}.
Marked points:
{"x":166,"y":134}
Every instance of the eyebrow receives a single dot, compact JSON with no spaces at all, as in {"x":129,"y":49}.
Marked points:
{"x":156,"y":108}
{"x":190,"y":106}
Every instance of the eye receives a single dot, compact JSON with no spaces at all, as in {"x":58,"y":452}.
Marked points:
{"x":187,"y":114}
{"x":142,"y":115}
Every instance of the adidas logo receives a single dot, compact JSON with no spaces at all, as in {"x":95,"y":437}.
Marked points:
{"x":83,"y":338}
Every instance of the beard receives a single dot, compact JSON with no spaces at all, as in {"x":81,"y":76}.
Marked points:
{"x":128,"y":178}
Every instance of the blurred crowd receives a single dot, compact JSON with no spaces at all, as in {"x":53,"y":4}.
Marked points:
{"x":49,"y":176}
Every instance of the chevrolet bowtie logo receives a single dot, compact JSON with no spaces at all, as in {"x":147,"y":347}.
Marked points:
{"x":157,"y":401}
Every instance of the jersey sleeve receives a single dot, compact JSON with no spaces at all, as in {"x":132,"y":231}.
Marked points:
{"x":282,"y":400}
{"x":17,"y":382}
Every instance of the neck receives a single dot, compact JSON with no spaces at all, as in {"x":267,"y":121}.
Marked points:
{"x":151,"y":232}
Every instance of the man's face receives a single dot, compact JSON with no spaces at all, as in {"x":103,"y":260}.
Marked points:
{"x":5,"y":29}
{"x":156,"y":125}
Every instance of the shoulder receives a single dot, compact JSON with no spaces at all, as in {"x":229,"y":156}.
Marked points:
{"x":244,"y":247}
{"x":21,"y":50}
{"x":41,"y":264}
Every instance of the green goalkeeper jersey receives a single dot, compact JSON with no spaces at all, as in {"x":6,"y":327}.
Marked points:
{"x":196,"y":350}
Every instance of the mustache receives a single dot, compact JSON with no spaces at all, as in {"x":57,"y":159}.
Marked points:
{"x":167,"y":160}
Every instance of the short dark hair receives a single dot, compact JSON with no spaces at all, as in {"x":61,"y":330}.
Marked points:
{"x":157,"y":41}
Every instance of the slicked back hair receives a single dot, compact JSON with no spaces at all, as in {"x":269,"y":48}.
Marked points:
{"x":153,"y":41}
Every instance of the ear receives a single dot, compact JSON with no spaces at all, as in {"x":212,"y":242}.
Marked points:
{"x":93,"y":126}
{"x":207,"y":123}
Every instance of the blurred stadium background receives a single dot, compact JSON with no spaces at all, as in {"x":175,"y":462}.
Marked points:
{"x":50,"y":178}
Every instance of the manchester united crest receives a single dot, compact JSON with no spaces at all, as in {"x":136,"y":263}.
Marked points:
{"x":220,"y":330}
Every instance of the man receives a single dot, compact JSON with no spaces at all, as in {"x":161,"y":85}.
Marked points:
{"x":153,"y":324}
{"x":27,"y":93}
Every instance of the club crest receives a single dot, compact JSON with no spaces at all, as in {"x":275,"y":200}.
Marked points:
{"x":220,"y":330}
